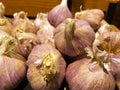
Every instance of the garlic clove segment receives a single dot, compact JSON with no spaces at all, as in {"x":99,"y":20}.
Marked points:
{"x":59,"y":13}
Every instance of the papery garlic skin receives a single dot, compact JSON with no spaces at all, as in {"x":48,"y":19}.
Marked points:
{"x":107,"y":28}
{"x":110,"y":42}
{"x":59,"y":13}
{"x":22,"y":22}
{"x":35,"y":74}
{"x":107,"y":38}
{"x":12,"y":72}
{"x":72,"y":36}
{"x":39,"y":18}
{"x":115,"y":68}
{"x":12,"y":65}
{"x":92,"y":16}
{"x":25,"y":42}
{"x":45,"y":34}
{"x":5,"y":25}
{"x":86,"y":75}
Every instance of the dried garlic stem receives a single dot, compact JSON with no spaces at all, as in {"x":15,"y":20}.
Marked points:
{"x":21,"y":35}
{"x":64,"y":3}
{"x":22,"y":15}
{"x":47,"y":68}
{"x":101,"y":57}
{"x":7,"y":44}
{"x":69,"y":30}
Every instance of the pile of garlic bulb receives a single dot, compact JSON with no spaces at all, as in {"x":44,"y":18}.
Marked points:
{"x":58,"y":50}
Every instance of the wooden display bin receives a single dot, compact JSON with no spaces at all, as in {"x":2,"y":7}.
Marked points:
{"x":35,"y":6}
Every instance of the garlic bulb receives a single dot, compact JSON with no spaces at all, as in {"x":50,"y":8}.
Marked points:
{"x":5,"y":24}
{"x":86,"y":75}
{"x":12,"y":65}
{"x":59,"y":13}
{"x":72,"y":36}
{"x":46,"y":31}
{"x":46,"y":68}
{"x":22,"y":22}
{"x":92,"y":72}
{"x":12,"y":72}
{"x":107,"y":39}
{"x":92,"y":16}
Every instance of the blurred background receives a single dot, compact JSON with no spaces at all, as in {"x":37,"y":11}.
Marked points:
{"x":110,"y":7}
{"x":35,"y":6}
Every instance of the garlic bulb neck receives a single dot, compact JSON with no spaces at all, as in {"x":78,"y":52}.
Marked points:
{"x":21,"y":35}
{"x":22,"y":15}
{"x":42,"y":16}
{"x":63,"y":2}
{"x":44,"y":19}
{"x":103,"y":58}
{"x":69,"y":29}
{"x":47,"y":68}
